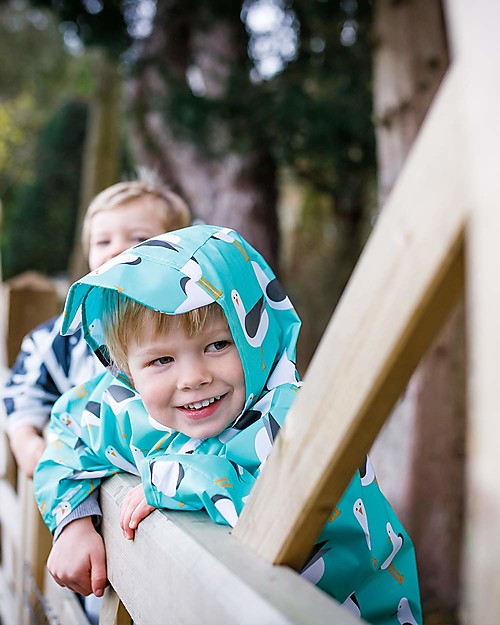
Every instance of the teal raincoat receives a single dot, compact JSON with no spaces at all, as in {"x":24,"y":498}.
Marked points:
{"x":363,"y":558}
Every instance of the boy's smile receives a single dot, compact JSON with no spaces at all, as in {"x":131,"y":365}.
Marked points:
{"x":202,"y":409}
{"x":191,"y":384}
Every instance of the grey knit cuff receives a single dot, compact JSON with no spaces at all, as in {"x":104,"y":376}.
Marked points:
{"x":88,"y":507}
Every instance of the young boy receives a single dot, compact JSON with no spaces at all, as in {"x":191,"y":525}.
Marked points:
{"x":50,"y":364}
{"x":202,"y":340}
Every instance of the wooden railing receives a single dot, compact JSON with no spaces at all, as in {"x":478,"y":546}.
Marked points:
{"x":27,"y":301}
{"x":184,"y":568}
{"x":437,"y":237}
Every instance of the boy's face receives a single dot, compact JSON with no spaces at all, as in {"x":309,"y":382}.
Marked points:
{"x":115,"y":230}
{"x":194,"y":385}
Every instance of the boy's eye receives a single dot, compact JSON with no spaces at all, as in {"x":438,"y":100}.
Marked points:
{"x":217,"y":346}
{"x":139,"y":238}
{"x":101,"y":242}
{"x":164,"y":360}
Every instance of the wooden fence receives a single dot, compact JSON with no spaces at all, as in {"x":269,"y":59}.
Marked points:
{"x":27,"y":301}
{"x":438,"y":236}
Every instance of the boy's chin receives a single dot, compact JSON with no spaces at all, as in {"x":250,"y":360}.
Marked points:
{"x":201,"y":432}
{"x":204,"y":430}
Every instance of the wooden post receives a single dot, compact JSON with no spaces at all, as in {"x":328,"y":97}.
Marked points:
{"x":63,"y":604}
{"x":36,"y":543}
{"x":113,"y":612}
{"x":408,"y":278}
{"x":32,"y":300}
{"x":102,"y":146}
{"x":477,"y":49}
{"x":10,"y":590}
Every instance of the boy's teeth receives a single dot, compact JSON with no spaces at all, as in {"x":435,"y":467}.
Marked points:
{"x":201,"y":404}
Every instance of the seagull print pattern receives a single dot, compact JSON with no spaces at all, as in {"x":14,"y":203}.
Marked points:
{"x":363,"y":556}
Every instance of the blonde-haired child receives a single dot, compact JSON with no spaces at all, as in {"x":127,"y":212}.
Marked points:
{"x":203,"y":341}
{"x":50,"y":364}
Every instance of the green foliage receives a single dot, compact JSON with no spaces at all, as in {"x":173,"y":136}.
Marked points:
{"x":35,"y":59}
{"x":314,"y":115}
{"x":38,"y":74}
{"x":40,"y":220}
{"x":15,"y":122}
{"x":96,"y":23}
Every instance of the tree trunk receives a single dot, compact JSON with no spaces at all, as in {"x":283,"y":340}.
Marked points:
{"x":102,"y":148}
{"x":419,"y":454}
{"x":222,"y":186}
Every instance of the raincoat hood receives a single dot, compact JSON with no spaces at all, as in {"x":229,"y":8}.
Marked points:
{"x":182,"y":270}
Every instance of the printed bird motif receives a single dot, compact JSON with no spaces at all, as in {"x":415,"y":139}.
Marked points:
{"x":157,"y":425}
{"x":226,"y":508}
{"x":61,"y":511}
{"x":167,"y":476}
{"x":119,"y":461}
{"x":360,"y":514}
{"x":121,"y":259}
{"x":190,"y":446}
{"x":272,"y":289}
{"x":137,"y":455}
{"x":225,"y":235}
{"x":397,"y":541}
{"x":91,"y":414}
{"x":265,"y":437}
{"x":351,"y":604}
{"x":314,"y":568}
{"x":196,"y":297}
{"x":284,"y":372}
{"x":238,"y":469}
{"x":102,"y":354}
{"x":255,"y":322}
{"x":63,"y":508}
{"x":70,"y":423}
{"x":168,"y":241}
{"x":117,"y":397}
{"x":247,"y":417}
{"x":195,"y":287}
{"x":404,"y":613}
{"x":90,"y":475}
{"x":366,"y":472}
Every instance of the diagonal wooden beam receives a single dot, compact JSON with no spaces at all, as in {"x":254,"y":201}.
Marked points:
{"x":408,"y":278}
{"x":473,"y":27}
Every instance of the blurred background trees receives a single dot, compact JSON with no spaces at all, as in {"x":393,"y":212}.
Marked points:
{"x":258,"y":112}
{"x":263,"y":115}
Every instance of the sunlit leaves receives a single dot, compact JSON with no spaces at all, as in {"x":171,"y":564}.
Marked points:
{"x":15,"y":126}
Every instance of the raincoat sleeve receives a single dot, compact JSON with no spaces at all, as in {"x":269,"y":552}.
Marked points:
{"x":31,"y":390}
{"x":73,"y":464}
{"x":194,"y":482}
{"x":365,"y":559}
{"x":47,"y":366}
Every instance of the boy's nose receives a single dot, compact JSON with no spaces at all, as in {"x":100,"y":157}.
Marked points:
{"x":192,"y":378}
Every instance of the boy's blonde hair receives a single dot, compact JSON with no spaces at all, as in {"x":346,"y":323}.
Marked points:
{"x":124,"y":319}
{"x":172,"y":208}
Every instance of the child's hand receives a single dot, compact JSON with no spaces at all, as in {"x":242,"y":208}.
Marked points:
{"x":134,"y":510}
{"x":78,"y":559}
{"x":27,"y":446}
